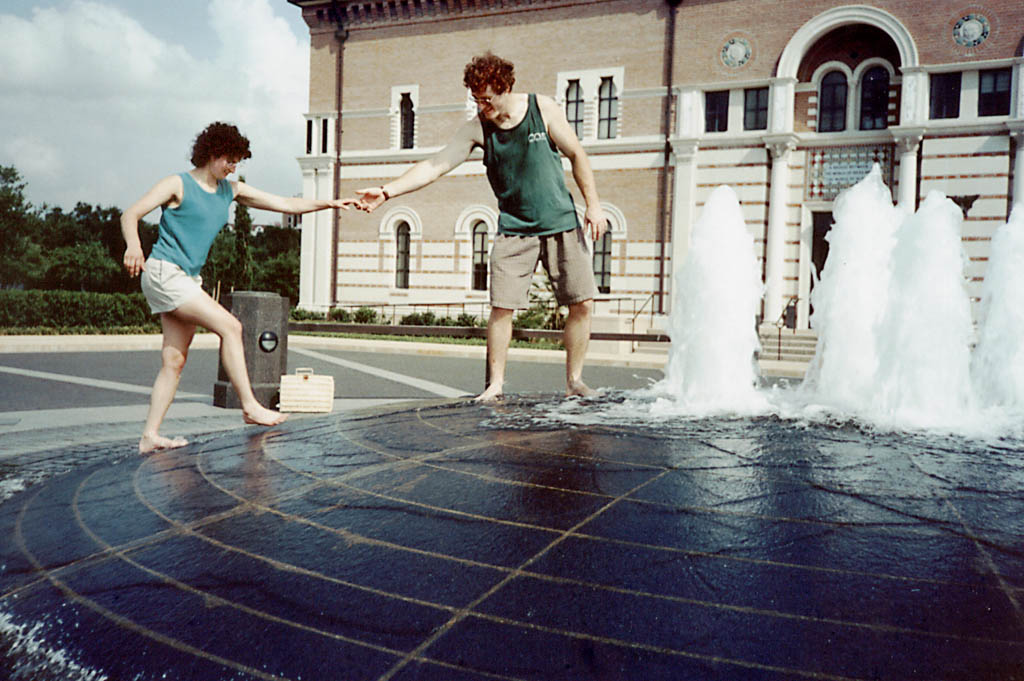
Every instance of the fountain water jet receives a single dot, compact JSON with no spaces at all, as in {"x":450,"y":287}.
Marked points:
{"x":998,"y":363}
{"x":848,"y":299}
{"x":718,"y":288}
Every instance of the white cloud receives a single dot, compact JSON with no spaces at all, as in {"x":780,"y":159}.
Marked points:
{"x":96,"y":108}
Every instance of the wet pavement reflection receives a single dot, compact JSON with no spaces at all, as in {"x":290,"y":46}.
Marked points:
{"x":449,"y":540}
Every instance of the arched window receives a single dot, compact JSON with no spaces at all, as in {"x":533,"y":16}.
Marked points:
{"x":832,"y":103}
{"x":402,"y":255}
{"x":480,"y":256}
{"x":603,"y":263}
{"x":874,"y":99}
{"x":574,"y":106}
{"x":608,"y":110}
{"x":408,"y":121}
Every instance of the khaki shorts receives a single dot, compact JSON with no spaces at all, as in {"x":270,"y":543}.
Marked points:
{"x":167,"y":287}
{"x":565,"y":256}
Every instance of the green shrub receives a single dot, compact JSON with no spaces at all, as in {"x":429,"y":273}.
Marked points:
{"x":466,"y":319}
{"x":366,"y":315}
{"x":339,"y":314}
{"x":300,"y":315}
{"x":72,"y":309}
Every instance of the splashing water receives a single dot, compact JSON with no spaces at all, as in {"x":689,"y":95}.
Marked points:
{"x":998,"y":363}
{"x":711,"y":368}
{"x":849,"y":300}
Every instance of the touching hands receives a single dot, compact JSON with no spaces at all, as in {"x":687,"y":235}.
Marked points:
{"x":371,"y":198}
{"x":345,"y":204}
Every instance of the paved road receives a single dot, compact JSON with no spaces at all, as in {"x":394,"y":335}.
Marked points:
{"x":62,"y":398}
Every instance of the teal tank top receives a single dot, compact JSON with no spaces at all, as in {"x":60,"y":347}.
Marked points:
{"x":525,"y":172}
{"x":187,"y":232}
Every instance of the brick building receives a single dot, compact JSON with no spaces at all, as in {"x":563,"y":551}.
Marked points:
{"x":787,"y":101}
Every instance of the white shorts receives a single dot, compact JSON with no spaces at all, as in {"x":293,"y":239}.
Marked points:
{"x":167,"y":287}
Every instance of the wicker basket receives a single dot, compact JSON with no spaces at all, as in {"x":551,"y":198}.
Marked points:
{"x":304,"y":391}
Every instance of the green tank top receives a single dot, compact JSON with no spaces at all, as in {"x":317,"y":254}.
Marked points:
{"x":525,"y":172}
{"x":187,"y":232}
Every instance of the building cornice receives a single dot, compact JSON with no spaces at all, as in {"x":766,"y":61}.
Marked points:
{"x":322,"y":15}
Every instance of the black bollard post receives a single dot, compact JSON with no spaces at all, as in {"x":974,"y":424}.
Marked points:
{"x":264,"y":318}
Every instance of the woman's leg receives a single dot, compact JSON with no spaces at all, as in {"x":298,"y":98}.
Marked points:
{"x":177,"y":338}
{"x":204,"y":311}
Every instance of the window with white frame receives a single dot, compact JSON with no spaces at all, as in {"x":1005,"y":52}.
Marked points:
{"x":874,"y":99}
{"x":402,"y":253}
{"x":591,"y":100}
{"x":480,"y":256}
{"x":832,"y":102}
{"x":574,"y":106}
{"x":603,"y":263}
{"x":994,"y":92}
{"x":607,"y":110}
{"x":404,"y":102}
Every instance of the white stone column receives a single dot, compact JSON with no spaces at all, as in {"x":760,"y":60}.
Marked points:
{"x":781,"y":148}
{"x":684,"y":201}
{"x":315,"y":254}
{"x":914,"y":97}
{"x":1017,"y":135}
{"x":907,"y":143}
{"x":781,"y":103}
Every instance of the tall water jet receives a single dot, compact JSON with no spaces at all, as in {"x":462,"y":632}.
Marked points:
{"x":923,"y":377}
{"x":849,"y":299}
{"x":998,"y":364}
{"x":711,"y":367}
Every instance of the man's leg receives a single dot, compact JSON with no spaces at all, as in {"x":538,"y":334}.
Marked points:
{"x":576,"y":338}
{"x":499,"y":334}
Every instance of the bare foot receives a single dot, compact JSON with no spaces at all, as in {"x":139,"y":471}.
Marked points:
{"x":151,"y":443}
{"x":491,"y":394}
{"x":261,"y":416}
{"x":580,"y":389}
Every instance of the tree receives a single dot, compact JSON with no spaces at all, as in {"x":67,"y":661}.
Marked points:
{"x":20,"y":259}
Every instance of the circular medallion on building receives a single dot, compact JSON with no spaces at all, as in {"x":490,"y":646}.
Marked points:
{"x":736,"y":52}
{"x":971,"y":30}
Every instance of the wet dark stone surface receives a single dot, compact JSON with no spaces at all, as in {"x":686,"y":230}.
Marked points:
{"x":453,"y":541}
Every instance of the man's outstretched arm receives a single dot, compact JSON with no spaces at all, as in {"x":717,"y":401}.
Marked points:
{"x":428,"y":170}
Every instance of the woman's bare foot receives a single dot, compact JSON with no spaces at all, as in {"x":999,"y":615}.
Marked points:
{"x":491,"y":394}
{"x":261,"y":416}
{"x":580,"y":389}
{"x":153,"y":442}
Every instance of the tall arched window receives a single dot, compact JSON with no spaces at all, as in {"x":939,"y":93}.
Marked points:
{"x":832,"y":103}
{"x":874,"y":99}
{"x":407,"y":116}
{"x":603,"y":263}
{"x":402,"y":255}
{"x":608,"y":110}
{"x":574,"y":106}
{"x":480,"y":256}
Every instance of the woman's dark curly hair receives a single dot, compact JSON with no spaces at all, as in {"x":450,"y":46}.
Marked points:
{"x":489,"y":70}
{"x":219,"y":139}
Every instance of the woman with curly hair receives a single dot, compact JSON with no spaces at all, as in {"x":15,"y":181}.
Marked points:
{"x":195,"y":207}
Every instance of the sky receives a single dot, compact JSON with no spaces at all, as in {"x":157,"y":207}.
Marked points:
{"x":100,"y":99}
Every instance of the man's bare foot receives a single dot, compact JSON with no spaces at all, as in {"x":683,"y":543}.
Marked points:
{"x":151,"y":443}
{"x":491,"y":394}
{"x":580,"y":389}
{"x":261,"y":416}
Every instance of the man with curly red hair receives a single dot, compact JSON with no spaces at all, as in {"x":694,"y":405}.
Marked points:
{"x":521,"y":136}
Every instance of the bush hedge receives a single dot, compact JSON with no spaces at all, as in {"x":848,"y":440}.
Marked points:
{"x":63,"y":309}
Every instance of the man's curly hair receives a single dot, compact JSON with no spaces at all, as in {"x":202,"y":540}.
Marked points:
{"x":219,"y":139}
{"x":490,"y":70}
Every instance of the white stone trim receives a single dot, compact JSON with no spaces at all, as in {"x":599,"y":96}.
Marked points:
{"x":471,"y":215}
{"x":390,"y":221}
{"x":810,"y":32}
{"x":590,"y":84}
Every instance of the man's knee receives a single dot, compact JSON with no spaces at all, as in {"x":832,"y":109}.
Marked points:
{"x":581,"y":309}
